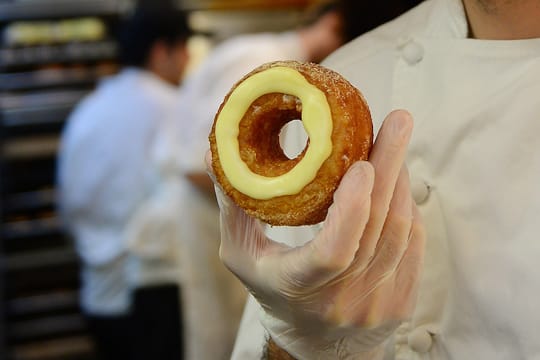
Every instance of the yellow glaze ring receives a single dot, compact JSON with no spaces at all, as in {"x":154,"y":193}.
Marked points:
{"x":248,"y":161}
{"x":316,"y":118}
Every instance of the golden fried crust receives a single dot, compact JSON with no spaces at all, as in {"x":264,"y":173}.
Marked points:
{"x":352,"y":137}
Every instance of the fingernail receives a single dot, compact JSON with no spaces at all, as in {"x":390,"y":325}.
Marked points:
{"x":361,"y":170}
{"x":401,"y":123}
{"x":358,"y":167}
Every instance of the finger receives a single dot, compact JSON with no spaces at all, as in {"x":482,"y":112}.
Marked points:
{"x":409,"y":270}
{"x":375,"y":281}
{"x":237,"y":227}
{"x":333,"y":249}
{"x":396,"y":232}
{"x":387,"y":158}
{"x":393,"y":280}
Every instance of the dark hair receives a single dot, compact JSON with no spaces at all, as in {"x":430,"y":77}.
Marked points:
{"x":148,"y":23}
{"x":316,"y":11}
{"x":363,"y":16}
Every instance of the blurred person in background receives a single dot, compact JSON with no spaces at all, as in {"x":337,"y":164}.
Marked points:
{"x":111,"y":192}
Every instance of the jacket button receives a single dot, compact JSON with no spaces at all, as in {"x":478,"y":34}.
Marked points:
{"x":420,"y":340}
{"x":412,"y":52}
{"x":420,"y":190}
{"x":403,"y":355}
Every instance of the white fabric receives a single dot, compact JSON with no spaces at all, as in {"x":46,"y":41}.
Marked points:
{"x":106,"y":175}
{"x":476,"y":111}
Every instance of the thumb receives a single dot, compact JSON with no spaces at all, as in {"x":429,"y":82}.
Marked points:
{"x":242,"y":237}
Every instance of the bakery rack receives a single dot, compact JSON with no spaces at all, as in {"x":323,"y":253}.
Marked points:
{"x":41,"y":79}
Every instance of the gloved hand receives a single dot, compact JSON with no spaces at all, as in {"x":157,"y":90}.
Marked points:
{"x":343,"y":293}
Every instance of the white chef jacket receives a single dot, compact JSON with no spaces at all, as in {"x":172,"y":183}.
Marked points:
{"x":474,"y":165}
{"x":213,"y":296}
{"x":111,"y":187}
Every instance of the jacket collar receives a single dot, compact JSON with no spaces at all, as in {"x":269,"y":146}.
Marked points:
{"x":448,"y":19}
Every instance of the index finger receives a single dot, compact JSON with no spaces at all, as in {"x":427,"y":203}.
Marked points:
{"x":387,"y":157}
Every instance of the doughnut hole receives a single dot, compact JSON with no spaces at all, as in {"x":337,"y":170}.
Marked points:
{"x":259,"y":132}
{"x":296,"y":149}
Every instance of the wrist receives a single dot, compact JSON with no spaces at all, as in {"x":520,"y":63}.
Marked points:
{"x":319,"y":343}
{"x":272,"y":351}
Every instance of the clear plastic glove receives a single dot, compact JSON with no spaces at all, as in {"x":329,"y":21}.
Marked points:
{"x":343,"y":293}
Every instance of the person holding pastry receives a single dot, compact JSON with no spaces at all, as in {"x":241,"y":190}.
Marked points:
{"x":429,"y":247}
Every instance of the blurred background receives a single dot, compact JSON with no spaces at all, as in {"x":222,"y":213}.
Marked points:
{"x":52,"y":54}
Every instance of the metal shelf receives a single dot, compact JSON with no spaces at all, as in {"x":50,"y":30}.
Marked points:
{"x":47,"y":78}
{"x":45,"y":54}
{"x":46,"y":326}
{"x":37,"y":115}
{"x":38,"y":108}
{"x":39,"y":259}
{"x":39,"y":266}
{"x":30,"y":200}
{"x":42,"y":303}
{"x":33,"y":147}
{"x":243,"y":4}
{"x":40,"y":99}
{"x":73,"y":347}
{"x":31,"y":228}
{"x":29,"y":10}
